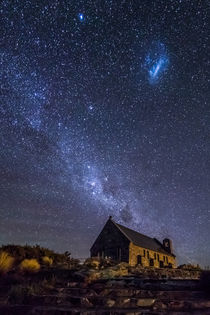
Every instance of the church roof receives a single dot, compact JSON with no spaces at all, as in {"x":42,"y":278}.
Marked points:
{"x":142,"y":240}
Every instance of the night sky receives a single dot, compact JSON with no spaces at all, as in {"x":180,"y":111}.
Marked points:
{"x":104,"y":110}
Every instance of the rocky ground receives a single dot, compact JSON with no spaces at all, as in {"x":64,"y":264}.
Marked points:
{"x":113,"y":290}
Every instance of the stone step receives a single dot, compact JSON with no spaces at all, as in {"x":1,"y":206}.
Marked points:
{"x":122,"y":302}
{"x":66,"y":310}
{"x":76,"y":291}
{"x":16,"y":309}
{"x":147,"y":284}
{"x":117,"y":292}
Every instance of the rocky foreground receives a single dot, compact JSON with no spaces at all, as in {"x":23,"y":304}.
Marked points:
{"x":114,"y":290}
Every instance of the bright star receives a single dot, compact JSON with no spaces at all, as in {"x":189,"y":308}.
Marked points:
{"x":81,"y":17}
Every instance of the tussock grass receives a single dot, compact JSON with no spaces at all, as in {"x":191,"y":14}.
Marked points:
{"x":29,"y":266}
{"x":6,"y":262}
{"x":48,"y":261}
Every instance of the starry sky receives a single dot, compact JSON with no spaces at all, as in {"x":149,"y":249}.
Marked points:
{"x":104,"y":110}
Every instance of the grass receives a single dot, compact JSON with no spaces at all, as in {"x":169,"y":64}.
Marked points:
{"x":47,"y":261}
{"x":29,"y":266}
{"x":6,"y":262}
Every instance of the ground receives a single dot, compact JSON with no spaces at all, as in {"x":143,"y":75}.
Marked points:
{"x":95,"y":289}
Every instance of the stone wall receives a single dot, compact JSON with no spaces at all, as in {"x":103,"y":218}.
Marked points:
{"x":134,"y":251}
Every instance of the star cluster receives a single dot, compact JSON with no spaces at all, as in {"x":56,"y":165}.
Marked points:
{"x":156,"y":62}
{"x":104,"y":110}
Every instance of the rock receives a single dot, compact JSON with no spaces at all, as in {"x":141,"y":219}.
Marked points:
{"x":105,"y":292}
{"x":72,"y":284}
{"x":124,"y":292}
{"x":75,"y":301}
{"x":124,"y":302}
{"x":110,"y":303}
{"x":201,"y":304}
{"x":119,"y":270}
{"x":79,"y":276}
{"x":159,"y":305}
{"x":145,"y":302}
{"x":85,"y":302}
{"x":178,"y":305}
{"x":93,"y":276}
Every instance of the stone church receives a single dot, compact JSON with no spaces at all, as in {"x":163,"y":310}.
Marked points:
{"x":125,"y":245}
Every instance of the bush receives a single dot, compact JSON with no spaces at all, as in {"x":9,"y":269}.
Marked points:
{"x":47,"y":261}
{"x":6,"y":262}
{"x":29,"y":265}
{"x":73,"y":263}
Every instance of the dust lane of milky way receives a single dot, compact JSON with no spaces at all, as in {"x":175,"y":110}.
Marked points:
{"x":104,"y":110}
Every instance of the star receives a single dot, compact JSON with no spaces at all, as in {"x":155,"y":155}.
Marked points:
{"x":81,"y":17}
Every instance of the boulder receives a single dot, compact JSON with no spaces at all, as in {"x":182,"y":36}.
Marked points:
{"x":145,"y":302}
{"x":110,"y":302}
{"x":119,"y":270}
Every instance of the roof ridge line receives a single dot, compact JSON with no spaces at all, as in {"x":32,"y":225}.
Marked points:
{"x":152,"y":238}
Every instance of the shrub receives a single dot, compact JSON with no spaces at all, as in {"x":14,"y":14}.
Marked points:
{"x":47,"y":261}
{"x":6,"y":262}
{"x":73,"y":263}
{"x":29,"y":265}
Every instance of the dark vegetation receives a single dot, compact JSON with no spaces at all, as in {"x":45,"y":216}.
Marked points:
{"x":37,"y":252}
{"x":33,"y":274}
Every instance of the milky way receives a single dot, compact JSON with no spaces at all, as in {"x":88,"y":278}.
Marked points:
{"x":104,"y":110}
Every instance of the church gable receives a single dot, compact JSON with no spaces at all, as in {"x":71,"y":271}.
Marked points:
{"x":111,"y":242}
